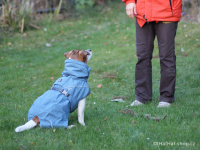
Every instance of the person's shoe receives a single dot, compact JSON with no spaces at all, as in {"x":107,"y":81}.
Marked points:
{"x":136,"y":103}
{"x":163,"y":104}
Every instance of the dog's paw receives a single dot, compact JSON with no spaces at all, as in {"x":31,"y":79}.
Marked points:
{"x":82,"y":123}
{"x":19,"y":129}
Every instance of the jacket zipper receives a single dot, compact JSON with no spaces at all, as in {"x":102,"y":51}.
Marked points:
{"x":171,"y":6}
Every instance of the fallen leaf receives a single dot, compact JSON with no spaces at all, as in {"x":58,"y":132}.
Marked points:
{"x":99,"y":85}
{"x":128,"y":112}
{"x":111,"y":75}
{"x":123,"y":97}
{"x":156,"y":56}
{"x":133,"y":121}
{"x":33,"y":143}
{"x":106,"y":119}
{"x":155,"y":118}
{"x":2,"y":57}
{"x":52,"y":78}
{"x":9,"y":43}
{"x":70,"y":142}
{"x":185,"y":54}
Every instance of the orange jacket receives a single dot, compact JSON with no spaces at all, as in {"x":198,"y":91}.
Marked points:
{"x":156,"y":10}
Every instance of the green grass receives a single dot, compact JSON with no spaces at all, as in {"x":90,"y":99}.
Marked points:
{"x":27,"y":66}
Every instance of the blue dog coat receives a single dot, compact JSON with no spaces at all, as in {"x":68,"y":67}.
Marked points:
{"x":53,"y":107}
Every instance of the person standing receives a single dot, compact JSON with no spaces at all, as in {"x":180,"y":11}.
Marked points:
{"x":155,"y":18}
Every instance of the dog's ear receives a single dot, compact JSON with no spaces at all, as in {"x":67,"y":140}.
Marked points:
{"x":67,"y":54}
{"x":83,"y":54}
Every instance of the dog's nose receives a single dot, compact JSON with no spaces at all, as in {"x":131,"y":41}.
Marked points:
{"x":89,"y":50}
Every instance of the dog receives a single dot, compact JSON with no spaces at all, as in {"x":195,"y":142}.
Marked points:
{"x":68,"y":93}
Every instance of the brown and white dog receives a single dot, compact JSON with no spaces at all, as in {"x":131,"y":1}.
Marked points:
{"x":38,"y":112}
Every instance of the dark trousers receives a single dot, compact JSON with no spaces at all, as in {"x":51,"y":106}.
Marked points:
{"x":145,"y":36}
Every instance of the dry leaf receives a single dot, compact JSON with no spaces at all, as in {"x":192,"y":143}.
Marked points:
{"x":156,"y":56}
{"x":33,"y":143}
{"x":185,"y":54}
{"x":99,"y":85}
{"x":111,"y":75}
{"x":127,"y":112}
{"x":117,"y":97}
{"x":133,"y":121}
{"x":106,"y":119}
{"x":155,"y":118}
{"x":70,"y":142}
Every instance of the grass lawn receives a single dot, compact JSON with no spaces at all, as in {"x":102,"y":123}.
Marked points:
{"x":28,"y":68}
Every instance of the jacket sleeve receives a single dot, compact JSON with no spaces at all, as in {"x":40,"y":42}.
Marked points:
{"x":128,"y":1}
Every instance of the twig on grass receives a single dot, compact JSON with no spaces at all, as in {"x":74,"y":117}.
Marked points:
{"x":128,"y":112}
{"x":111,"y":75}
{"x":155,"y":118}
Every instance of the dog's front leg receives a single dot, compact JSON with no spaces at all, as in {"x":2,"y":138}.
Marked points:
{"x":81,"y":109}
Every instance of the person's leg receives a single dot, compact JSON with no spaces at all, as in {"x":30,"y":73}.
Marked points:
{"x":143,"y":71}
{"x":166,"y":33}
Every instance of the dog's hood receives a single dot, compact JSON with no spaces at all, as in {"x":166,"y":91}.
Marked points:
{"x":76,"y":69}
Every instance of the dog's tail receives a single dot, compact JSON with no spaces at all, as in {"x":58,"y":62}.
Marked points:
{"x":30,"y":124}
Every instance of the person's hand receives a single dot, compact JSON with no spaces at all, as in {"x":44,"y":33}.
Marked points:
{"x":131,"y":10}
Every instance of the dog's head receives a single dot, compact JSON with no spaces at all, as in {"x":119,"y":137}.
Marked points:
{"x":80,"y":55}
